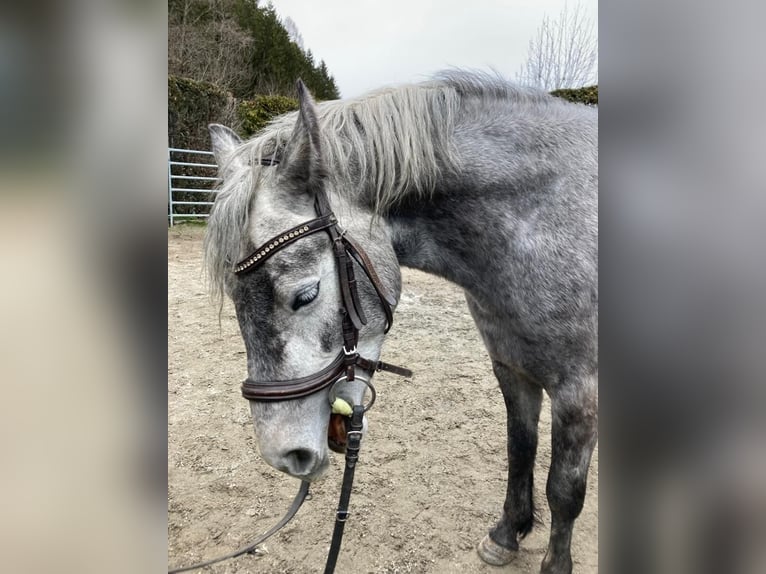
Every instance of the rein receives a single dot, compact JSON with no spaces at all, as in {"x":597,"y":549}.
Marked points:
{"x":343,"y":367}
{"x":250,"y":548}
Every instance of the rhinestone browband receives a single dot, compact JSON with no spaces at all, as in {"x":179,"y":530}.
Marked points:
{"x":282,"y":240}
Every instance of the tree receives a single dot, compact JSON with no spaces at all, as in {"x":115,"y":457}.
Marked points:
{"x":242,"y":47}
{"x":206,"y":43}
{"x":563,"y":53}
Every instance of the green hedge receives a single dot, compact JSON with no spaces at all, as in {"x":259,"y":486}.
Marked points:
{"x":192,"y":106}
{"x":587,"y":95}
{"x":256,"y":113}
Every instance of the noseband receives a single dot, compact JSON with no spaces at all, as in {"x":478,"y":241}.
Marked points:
{"x":346,"y":252}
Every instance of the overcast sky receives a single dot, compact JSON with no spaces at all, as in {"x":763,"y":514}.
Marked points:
{"x":370,"y":43}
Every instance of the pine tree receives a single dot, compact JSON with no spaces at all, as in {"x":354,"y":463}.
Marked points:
{"x":242,"y":47}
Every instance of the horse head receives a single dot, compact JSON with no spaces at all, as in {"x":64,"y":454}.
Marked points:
{"x":290,"y":308}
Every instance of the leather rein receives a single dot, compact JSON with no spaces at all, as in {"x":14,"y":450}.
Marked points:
{"x":342,"y":368}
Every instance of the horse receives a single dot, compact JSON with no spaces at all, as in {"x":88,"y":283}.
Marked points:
{"x":490,"y":185}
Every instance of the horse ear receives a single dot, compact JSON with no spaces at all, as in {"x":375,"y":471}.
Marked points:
{"x":302,"y":161}
{"x":224,"y":141}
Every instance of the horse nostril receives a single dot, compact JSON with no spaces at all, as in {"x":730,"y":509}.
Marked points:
{"x":301,"y":461}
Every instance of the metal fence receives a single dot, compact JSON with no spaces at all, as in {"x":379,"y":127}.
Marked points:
{"x":195,"y":180}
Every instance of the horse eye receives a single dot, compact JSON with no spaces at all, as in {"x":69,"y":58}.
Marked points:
{"x":306,"y":296}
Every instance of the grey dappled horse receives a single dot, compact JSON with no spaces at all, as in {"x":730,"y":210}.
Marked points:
{"x":491,"y":186}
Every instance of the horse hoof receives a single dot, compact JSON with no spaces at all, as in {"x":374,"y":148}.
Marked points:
{"x":492,"y":553}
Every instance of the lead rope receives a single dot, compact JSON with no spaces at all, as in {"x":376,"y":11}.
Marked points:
{"x":250,"y":548}
{"x":354,"y":438}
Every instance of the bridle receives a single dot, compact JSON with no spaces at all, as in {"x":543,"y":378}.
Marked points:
{"x":346,"y":252}
{"x":342,"y":368}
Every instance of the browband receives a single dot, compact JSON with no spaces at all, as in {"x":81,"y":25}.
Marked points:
{"x":345,"y":243}
{"x":283,"y":240}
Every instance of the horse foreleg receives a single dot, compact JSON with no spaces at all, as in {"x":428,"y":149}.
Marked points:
{"x":574,"y":434}
{"x":522,"y":401}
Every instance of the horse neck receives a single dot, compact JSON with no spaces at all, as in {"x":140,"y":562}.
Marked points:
{"x":505,"y":189}
{"x":450,"y":235}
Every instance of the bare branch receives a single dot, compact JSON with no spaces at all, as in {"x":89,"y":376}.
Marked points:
{"x":563,"y":53}
{"x":293,"y":32}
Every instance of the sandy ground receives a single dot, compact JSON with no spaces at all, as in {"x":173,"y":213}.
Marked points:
{"x":432,"y":474}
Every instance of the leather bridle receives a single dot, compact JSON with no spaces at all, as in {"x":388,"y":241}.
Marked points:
{"x":342,"y":368}
{"x":346,"y":252}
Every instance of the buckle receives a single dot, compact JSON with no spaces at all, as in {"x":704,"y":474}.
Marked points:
{"x":349,"y":353}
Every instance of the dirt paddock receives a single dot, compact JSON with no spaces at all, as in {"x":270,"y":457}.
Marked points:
{"x":431,"y":478}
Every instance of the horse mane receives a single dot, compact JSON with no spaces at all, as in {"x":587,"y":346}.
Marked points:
{"x":389,"y":144}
